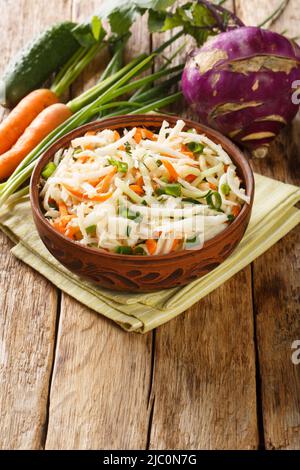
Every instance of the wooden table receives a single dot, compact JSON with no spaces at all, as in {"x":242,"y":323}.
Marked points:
{"x":219,"y":376}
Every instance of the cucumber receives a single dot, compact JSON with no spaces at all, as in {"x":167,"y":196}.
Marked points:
{"x":37,"y":61}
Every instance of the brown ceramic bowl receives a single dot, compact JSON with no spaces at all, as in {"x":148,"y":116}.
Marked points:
{"x":142,"y":273}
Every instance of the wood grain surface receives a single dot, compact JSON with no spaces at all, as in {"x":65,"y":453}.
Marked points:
{"x":276,"y":288}
{"x":219,"y":376}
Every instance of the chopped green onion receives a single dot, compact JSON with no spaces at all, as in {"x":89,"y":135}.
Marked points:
{"x":192,"y":131}
{"x":191,"y":200}
{"x":170,"y":190}
{"x":214,"y":200}
{"x":48,"y":170}
{"x":53,"y":205}
{"x":195,"y":147}
{"x":164,"y":179}
{"x":124,"y":250}
{"x":159,"y":163}
{"x":122,"y":167}
{"x":139,"y":250}
{"x":128,"y":214}
{"x":128,"y":148}
{"x":225,"y":188}
{"x":128,"y":230}
{"x":230,"y":217}
{"x":91,"y":229}
{"x":173,"y":189}
{"x":192,"y":242}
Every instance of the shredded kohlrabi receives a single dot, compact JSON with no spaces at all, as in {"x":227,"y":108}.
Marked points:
{"x":142,"y":192}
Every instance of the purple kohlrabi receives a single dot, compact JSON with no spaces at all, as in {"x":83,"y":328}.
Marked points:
{"x":243,"y":83}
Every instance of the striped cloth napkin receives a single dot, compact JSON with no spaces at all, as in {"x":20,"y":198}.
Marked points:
{"x":273,"y":216}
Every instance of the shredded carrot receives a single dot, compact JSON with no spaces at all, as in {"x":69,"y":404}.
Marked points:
{"x":89,"y":146}
{"x":71,"y":232}
{"x":145,"y":133}
{"x":175,"y":244}
{"x":151,"y":246}
{"x":171,"y":170}
{"x":90,"y":133}
{"x":117,"y":135}
{"x":100,"y":197}
{"x":137,"y":189}
{"x":122,"y":147}
{"x":140,"y":181}
{"x":58,"y":226}
{"x":138,"y":136}
{"x":184,"y":149}
{"x":190,"y":178}
{"x":82,"y":196}
{"x":62,"y":208}
{"x":226,"y":168}
{"x":213,"y":186}
{"x":236,"y":210}
{"x":84,"y":159}
{"x":105,"y":183}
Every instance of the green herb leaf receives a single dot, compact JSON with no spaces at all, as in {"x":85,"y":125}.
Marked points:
{"x":89,"y":33}
{"x":230,"y":217}
{"x":122,"y":13}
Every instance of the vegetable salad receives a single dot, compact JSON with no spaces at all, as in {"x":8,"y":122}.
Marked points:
{"x":142,"y":192}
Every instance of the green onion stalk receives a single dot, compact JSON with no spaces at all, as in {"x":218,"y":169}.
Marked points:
{"x":104,"y":97}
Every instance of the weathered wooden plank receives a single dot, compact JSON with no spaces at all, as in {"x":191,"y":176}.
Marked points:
{"x":204,"y":374}
{"x":276,"y":278}
{"x":100,"y":387}
{"x":28,"y":302}
{"x":101,"y":379}
{"x":204,"y":389}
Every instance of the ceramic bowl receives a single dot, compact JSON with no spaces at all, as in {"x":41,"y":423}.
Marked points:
{"x":142,"y":273}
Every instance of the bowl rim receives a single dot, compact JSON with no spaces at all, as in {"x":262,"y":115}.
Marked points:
{"x":123,"y":121}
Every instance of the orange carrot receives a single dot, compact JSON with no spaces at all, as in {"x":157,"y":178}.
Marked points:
{"x":145,"y":133}
{"x":184,"y":149}
{"x":140,"y":181}
{"x":137,"y":189}
{"x":23,"y":114}
{"x":105,"y":183}
{"x":71,"y":232}
{"x":190,"y":178}
{"x":117,"y":135}
{"x":138,"y":136}
{"x":175,"y":244}
{"x":84,"y":158}
{"x":171,"y":170}
{"x":88,"y":133}
{"x":62,"y":208}
{"x":151,"y":246}
{"x":42,"y":125}
{"x":213,"y":186}
{"x":83,"y":197}
{"x":236,"y":210}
